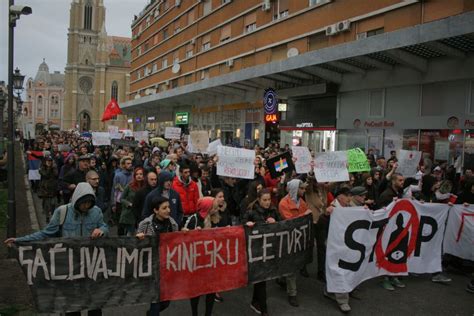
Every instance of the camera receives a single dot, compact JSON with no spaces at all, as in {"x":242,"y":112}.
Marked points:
{"x":20,"y":10}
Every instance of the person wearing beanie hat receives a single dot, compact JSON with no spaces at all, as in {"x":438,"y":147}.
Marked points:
{"x":359,"y":195}
{"x":206,"y":216}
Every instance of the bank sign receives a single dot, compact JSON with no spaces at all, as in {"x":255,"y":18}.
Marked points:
{"x":181,"y":118}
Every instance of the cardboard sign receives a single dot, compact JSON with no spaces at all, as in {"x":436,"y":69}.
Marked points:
{"x":405,"y":237}
{"x":141,"y":136}
{"x":235,"y":162}
{"x":202,"y":261}
{"x":357,"y":160}
{"x":127,"y":133}
{"x":331,"y":166}
{"x":62,"y":272}
{"x":212,"y":148}
{"x":114,"y":132}
{"x":100,"y":138}
{"x":200,"y":141}
{"x":280,"y":164}
{"x":408,"y":162}
{"x":303,"y":159}
{"x":278,"y":249}
{"x":173,"y":133}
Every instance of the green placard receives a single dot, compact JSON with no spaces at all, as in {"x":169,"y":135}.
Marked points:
{"x":182,"y":118}
{"x":357,"y":160}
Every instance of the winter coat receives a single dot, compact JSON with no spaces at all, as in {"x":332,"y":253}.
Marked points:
{"x":288,"y":208}
{"x":259,"y":215}
{"x":151,"y":226}
{"x":139,"y":201}
{"x":126,"y":215}
{"x":121,"y":179}
{"x":48,"y":186}
{"x":76,"y":223}
{"x":188,"y":193}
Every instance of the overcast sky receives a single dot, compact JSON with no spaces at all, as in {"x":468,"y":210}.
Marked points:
{"x":43,"y":34}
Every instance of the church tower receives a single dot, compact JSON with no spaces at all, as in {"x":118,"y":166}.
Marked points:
{"x":87,"y":90}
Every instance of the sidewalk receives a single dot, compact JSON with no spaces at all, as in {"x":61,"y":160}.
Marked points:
{"x":15,"y":294}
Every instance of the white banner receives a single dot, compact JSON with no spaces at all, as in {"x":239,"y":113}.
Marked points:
{"x":212,"y":148}
{"x":235,"y":162}
{"x":405,"y":237}
{"x":331,"y":166}
{"x":408,"y":162}
{"x":100,"y":138}
{"x":114,"y":132}
{"x":459,"y":237}
{"x":200,"y":141}
{"x":141,"y":136}
{"x":127,"y":133}
{"x":303,"y":159}
{"x":173,"y":133}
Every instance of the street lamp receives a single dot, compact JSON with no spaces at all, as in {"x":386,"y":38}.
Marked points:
{"x":14,"y":13}
{"x":3,"y":100}
{"x":18,"y":80}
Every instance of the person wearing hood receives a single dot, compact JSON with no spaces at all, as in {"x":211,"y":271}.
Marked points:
{"x":293,"y":206}
{"x":187,"y":189}
{"x":83,"y":219}
{"x":168,"y":165}
{"x":164,"y":189}
{"x":158,"y":222}
{"x":206,"y":216}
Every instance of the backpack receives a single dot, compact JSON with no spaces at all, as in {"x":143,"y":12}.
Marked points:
{"x":62,"y":218}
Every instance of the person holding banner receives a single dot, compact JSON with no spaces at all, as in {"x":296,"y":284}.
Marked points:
{"x":158,"y":222}
{"x":206,"y":216}
{"x":293,"y":206}
{"x":262,"y":212}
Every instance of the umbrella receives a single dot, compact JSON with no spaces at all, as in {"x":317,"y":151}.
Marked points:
{"x":160,"y":141}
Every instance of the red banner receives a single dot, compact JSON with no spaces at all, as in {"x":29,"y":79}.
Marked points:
{"x":202,"y":261}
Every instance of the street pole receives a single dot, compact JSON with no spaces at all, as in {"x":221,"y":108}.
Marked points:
{"x":11,"y":227}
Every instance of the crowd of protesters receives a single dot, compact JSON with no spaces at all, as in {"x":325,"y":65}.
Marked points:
{"x":146,"y":190}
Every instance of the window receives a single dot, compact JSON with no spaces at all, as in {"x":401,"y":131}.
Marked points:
{"x":139,"y":50}
{"x":124,"y":51}
{"x":155,"y":39}
{"x":54,"y":113}
{"x":54,"y":100}
{"x":226,"y":1}
{"x":225,"y":33}
{"x":280,"y":9}
{"x":88,"y":15}
{"x":114,"y":91}
{"x":145,"y":47}
{"x":139,"y":74}
{"x":191,"y":16}
{"x":315,"y":2}
{"x":165,"y":63}
{"x":165,"y":34}
{"x":207,"y":7}
{"x":204,"y":74}
{"x":39,"y":111}
{"x":375,"y":32}
{"x":155,"y":67}
{"x":148,"y":21}
{"x":176,"y":57}
{"x":166,"y":5}
{"x":250,"y":22}
{"x":40,"y":100}
{"x":189,"y":50}
{"x":174,"y":83}
{"x":188,"y":79}
{"x":206,"y":42}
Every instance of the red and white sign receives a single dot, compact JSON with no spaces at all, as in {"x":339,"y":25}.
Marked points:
{"x":202,"y":261}
{"x":459,"y":237}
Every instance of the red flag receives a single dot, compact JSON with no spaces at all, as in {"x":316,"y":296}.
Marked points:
{"x":112,"y":109}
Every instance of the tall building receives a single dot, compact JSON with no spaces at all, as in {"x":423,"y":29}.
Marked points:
{"x":43,"y":107}
{"x":385,"y":75}
{"x":97,"y":68}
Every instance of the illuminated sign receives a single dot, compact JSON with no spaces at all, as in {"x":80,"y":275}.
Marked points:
{"x":271,"y":118}
{"x":182,"y":118}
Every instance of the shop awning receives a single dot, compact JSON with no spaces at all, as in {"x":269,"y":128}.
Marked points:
{"x":346,"y":65}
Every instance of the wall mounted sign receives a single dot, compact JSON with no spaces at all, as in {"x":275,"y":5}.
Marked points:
{"x":270,"y":101}
{"x":182,"y":118}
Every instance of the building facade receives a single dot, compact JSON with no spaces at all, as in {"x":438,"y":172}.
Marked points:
{"x":97,"y":68}
{"x":386,"y":74}
{"x":43,"y":107}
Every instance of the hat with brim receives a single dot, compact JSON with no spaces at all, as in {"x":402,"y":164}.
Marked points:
{"x":84,"y":157}
{"x":359,"y":190}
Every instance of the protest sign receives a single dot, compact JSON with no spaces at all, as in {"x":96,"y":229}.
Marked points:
{"x":303,"y":159}
{"x":124,"y":142}
{"x":141,"y":136}
{"x":357,"y":160}
{"x":280,"y":164}
{"x":100,"y":138}
{"x":200,"y":141}
{"x":114,"y":132}
{"x":235,"y":162}
{"x":408,"y":162}
{"x":212,"y":148}
{"x":127,"y":133}
{"x":72,"y":274}
{"x":331,"y":166}
{"x":404,"y":237}
{"x":173,"y":133}
{"x":459,"y":237}
{"x":201,"y":262}
{"x":278,"y":249}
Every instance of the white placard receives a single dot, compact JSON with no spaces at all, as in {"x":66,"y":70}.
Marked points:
{"x":200,"y":140}
{"x":114,"y":132}
{"x":235,"y":162}
{"x":173,"y":133}
{"x":141,"y":136}
{"x":212,"y":148}
{"x":303,"y":159}
{"x":357,"y":251}
{"x":331,"y":166}
{"x":100,"y":138}
{"x":408,"y":162}
{"x":127,"y":133}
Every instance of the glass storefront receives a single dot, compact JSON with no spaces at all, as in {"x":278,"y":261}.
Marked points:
{"x":315,"y":140}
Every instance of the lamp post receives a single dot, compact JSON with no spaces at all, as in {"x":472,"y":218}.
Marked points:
{"x":14,"y":13}
{"x":3,"y":100}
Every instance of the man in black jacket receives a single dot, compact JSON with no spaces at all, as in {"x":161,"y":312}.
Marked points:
{"x":139,"y":200}
{"x":79,"y":174}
